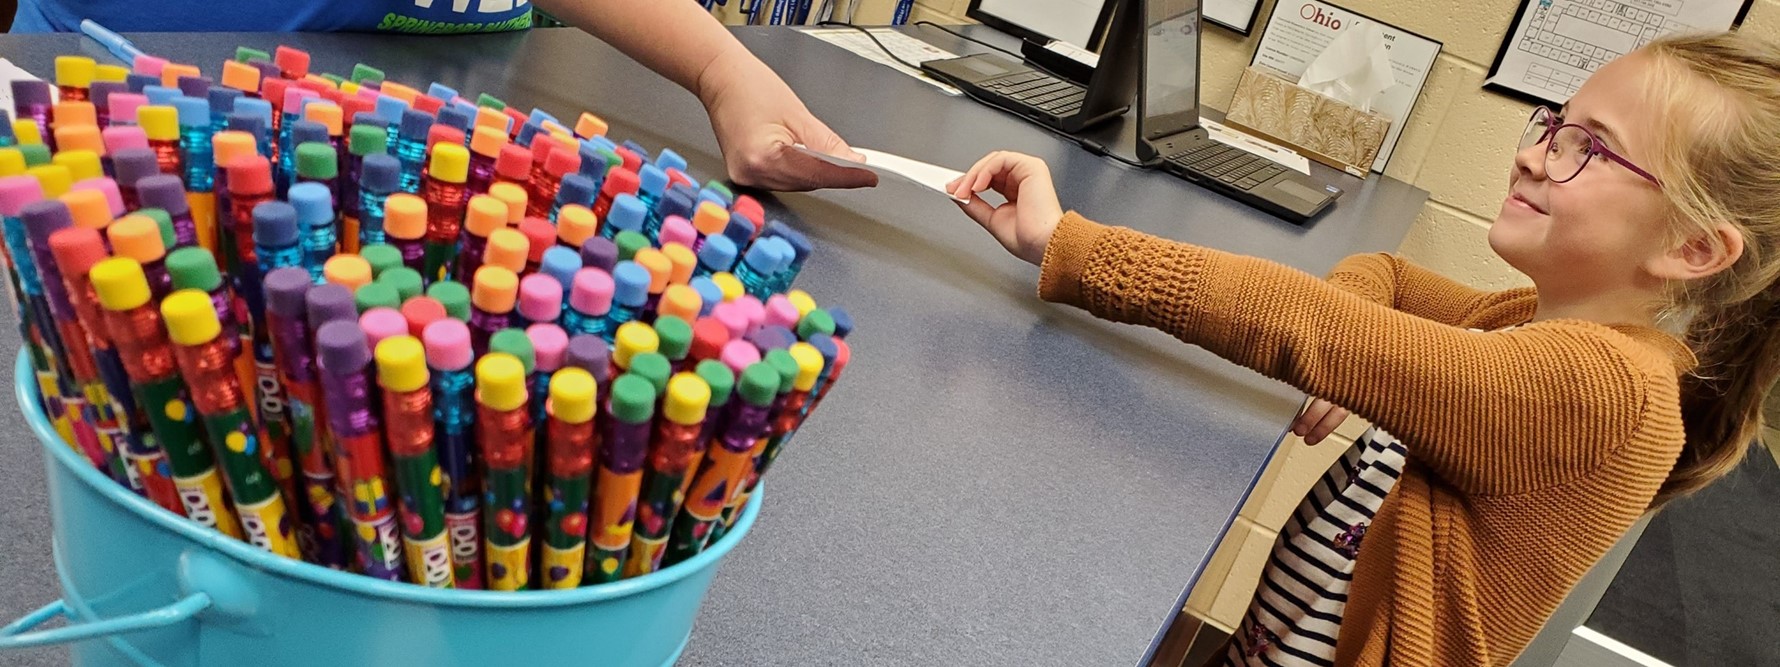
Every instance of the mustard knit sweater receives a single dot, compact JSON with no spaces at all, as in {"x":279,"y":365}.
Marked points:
{"x":1531,"y":451}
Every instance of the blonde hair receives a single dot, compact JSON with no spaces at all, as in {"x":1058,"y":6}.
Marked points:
{"x":1722,"y":165}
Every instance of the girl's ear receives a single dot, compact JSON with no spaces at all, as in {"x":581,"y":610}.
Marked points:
{"x":1701,"y":256}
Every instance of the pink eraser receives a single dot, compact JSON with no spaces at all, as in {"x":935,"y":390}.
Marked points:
{"x":549,"y":343}
{"x":16,"y":192}
{"x":368,"y":92}
{"x":676,"y":229}
{"x":123,"y":109}
{"x":150,"y":65}
{"x":779,"y":311}
{"x":107,"y":187}
{"x":591,"y":292}
{"x":738,"y":355}
{"x":380,"y":323}
{"x":540,"y":298}
{"x":732,"y":317}
{"x":447,"y":344}
{"x":293,"y":97}
{"x":752,"y":309}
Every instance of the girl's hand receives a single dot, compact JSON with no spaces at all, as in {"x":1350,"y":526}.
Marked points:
{"x":1024,"y":224}
{"x":1318,"y":420}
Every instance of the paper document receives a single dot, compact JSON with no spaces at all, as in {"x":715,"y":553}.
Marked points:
{"x":930,"y":176}
{"x":904,"y":46}
{"x":1256,"y":145}
{"x":1558,"y":43}
{"x":8,"y":74}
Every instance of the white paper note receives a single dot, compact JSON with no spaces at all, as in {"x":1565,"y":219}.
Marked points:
{"x":930,"y":176}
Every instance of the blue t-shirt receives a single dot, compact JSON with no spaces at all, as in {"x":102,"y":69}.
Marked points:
{"x":408,"y":16}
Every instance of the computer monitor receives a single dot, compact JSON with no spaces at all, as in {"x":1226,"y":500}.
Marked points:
{"x":1170,"y":67}
{"x":1079,"y":22}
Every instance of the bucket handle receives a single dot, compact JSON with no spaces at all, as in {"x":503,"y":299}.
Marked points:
{"x":18,"y":634}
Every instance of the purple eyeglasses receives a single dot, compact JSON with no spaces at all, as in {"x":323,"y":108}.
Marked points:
{"x":1570,"y":148}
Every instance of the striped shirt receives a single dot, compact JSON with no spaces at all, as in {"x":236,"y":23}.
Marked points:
{"x":1295,"y":616}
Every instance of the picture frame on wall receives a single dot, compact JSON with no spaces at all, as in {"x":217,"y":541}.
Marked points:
{"x":1235,"y":15}
{"x":1554,"y":45}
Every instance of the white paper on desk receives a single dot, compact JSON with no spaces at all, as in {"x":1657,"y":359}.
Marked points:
{"x":930,"y":176}
{"x":1256,"y":146}
{"x":8,"y":74}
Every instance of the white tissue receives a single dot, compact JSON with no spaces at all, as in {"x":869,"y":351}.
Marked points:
{"x":1354,"y":69}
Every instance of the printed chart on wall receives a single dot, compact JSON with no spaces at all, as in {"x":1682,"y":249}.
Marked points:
{"x":1556,"y":44}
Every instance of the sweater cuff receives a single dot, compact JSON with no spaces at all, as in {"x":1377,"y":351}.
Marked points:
{"x":1066,"y":257}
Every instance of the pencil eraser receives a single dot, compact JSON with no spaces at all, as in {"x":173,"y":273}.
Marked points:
{"x":781,"y":312}
{"x":420,"y":312}
{"x":286,"y":292}
{"x":738,"y":355}
{"x":732,"y":317}
{"x":591,"y":293}
{"x":752,"y":309}
{"x":147,"y":64}
{"x":590,"y":353}
{"x":342,"y":347}
{"x":540,"y":298}
{"x":549,"y":344}
{"x":329,"y":302}
{"x":380,"y":323}
{"x":677,"y":229}
{"x":447,"y":344}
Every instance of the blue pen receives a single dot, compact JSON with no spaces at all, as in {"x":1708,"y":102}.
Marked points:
{"x":121,"y":48}
{"x":630,"y":291}
{"x":627,"y":215}
{"x":575,"y":189}
{"x":276,"y":237}
{"x":315,"y":216}
{"x":410,"y":147}
{"x":194,"y":141}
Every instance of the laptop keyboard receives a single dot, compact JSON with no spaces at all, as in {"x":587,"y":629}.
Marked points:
{"x":1227,"y":164}
{"x":1048,"y":94}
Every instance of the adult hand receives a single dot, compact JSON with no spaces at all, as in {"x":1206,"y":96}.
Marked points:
{"x":759,"y":122}
{"x":1025,"y":223}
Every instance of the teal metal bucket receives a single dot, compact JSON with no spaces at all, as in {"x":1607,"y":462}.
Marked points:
{"x":141,"y":586}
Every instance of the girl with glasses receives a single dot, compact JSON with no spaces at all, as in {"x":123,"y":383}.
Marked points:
{"x":1517,"y":434}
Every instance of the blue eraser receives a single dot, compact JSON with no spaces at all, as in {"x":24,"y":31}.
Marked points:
{"x":314,"y":203}
{"x":223,"y":98}
{"x":390,"y":108}
{"x":843,"y":321}
{"x":306,"y":131}
{"x":561,"y":263}
{"x":193,"y":111}
{"x":651,"y":180}
{"x":718,"y":253}
{"x":140,"y":82}
{"x":576,"y":189}
{"x":255,"y":106}
{"x":416,"y":123}
{"x":441,"y":91}
{"x":627,"y":213}
{"x":381,"y":172}
{"x":669,"y":159}
{"x":369,"y":118}
{"x":274,"y":224}
{"x":455,"y":117}
{"x":160,"y":95}
{"x":194,"y":86}
{"x":630,"y":284}
{"x":709,"y":294}
{"x":637,"y":148}
{"x":739,"y":230}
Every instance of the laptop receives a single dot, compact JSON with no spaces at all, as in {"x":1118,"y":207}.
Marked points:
{"x":1169,"y":134}
{"x":1049,"y":100}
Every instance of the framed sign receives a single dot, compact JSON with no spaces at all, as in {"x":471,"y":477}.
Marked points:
{"x":1236,"y":15}
{"x":1553,"y":45}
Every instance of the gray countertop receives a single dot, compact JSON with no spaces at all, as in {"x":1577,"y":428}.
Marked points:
{"x":996,"y":480}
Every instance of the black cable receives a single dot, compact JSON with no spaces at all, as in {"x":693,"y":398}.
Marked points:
{"x":1093,"y":147}
{"x":965,"y":37}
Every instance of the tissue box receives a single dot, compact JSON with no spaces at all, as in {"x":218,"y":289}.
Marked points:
{"x":1322,"y":128}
